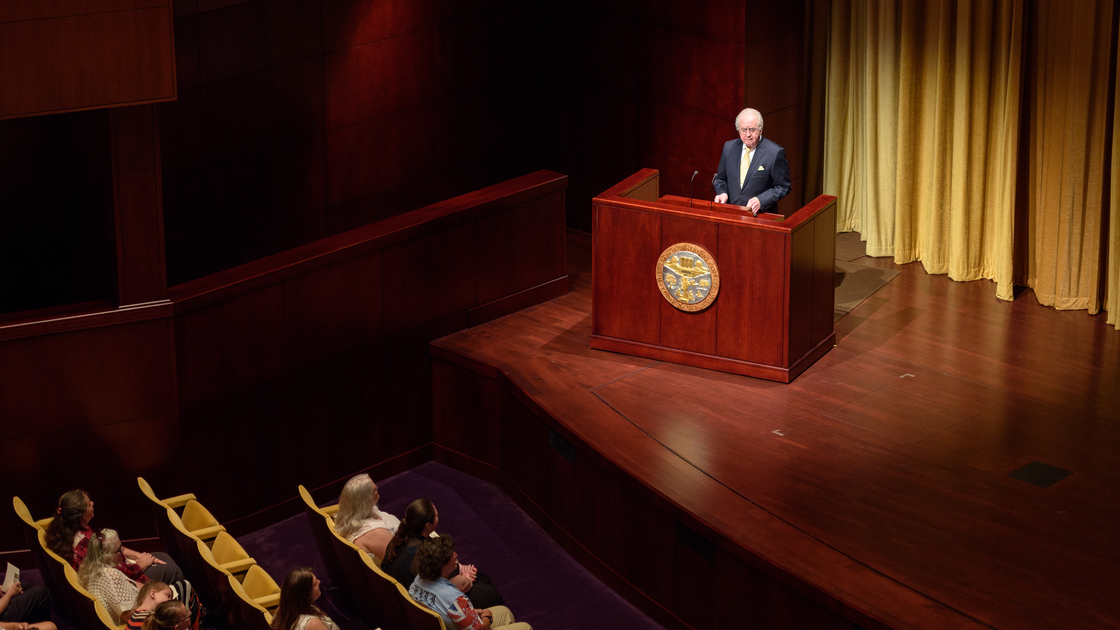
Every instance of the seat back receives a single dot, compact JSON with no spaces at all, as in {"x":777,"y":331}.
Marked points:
{"x":357,"y":585}
{"x":230,"y":555}
{"x":216,"y":583}
{"x":317,"y":518}
{"x":34,"y":532}
{"x":417,"y":616}
{"x":249,"y":615}
{"x":54,"y":578}
{"x":163,"y":525}
{"x":199,"y":521}
{"x":193,"y":565}
{"x":384,"y":590}
{"x":88,"y":605}
{"x":261,"y":588}
{"x":25,"y":515}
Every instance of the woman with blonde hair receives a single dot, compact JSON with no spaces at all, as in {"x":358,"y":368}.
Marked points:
{"x":117,"y":592}
{"x":358,"y":519}
{"x":297,"y":609}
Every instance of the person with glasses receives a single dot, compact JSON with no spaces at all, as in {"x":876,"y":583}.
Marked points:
{"x":69,"y":534}
{"x":753,"y":171}
{"x":117,"y":592}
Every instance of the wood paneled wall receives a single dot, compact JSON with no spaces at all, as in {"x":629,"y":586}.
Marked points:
{"x":658,"y":85}
{"x":302,"y":367}
{"x":71,"y":55}
{"x":298,"y":120}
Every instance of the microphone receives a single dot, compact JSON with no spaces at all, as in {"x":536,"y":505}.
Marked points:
{"x":690,"y":182}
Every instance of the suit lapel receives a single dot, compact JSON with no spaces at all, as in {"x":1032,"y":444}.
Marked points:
{"x":752,"y":168}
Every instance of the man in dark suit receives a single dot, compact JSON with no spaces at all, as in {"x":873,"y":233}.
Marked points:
{"x":753,"y":170}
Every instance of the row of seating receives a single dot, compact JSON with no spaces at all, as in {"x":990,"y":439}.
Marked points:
{"x":73,"y":601}
{"x":380,"y":599}
{"x":217,"y":565}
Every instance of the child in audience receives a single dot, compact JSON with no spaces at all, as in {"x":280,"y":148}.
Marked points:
{"x":435,"y":561}
{"x":358,"y":519}
{"x":420,"y":521}
{"x":169,"y":615}
{"x":297,"y":609}
{"x":152,"y":594}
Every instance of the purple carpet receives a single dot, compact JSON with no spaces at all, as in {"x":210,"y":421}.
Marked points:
{"x":541,"y":584}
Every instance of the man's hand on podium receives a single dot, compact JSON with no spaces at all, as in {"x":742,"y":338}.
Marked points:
{"x":721,"y":198}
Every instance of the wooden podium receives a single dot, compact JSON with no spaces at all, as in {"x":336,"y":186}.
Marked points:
{"x":772,"y":316}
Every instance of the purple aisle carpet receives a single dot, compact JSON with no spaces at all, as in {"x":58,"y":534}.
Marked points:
{"x":541,"y":584}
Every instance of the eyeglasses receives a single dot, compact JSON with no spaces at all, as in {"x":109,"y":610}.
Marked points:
{"x":748,"y":130}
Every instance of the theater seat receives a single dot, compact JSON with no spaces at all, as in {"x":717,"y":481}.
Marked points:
{"x":35,"y":531}
{"x":318,"y":519}
{"x":260,"y":587}
{"x":418,"y":616}
{"x":90,"y":610}
{"x":249,"y":614}
{"x":230,"y":555}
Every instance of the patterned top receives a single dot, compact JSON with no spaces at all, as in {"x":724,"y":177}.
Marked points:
{"x":116,"y":592}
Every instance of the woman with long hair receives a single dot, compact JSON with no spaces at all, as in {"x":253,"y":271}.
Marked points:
{"x":69,"y":535}
{"x":420,"y":521}
{"x":297,"y":609}
{"x":358,"y":519}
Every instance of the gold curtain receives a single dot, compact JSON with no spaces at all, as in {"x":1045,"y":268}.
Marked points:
{"x":922,"y":144}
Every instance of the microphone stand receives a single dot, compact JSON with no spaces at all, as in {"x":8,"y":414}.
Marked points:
{"x":690,"y":193}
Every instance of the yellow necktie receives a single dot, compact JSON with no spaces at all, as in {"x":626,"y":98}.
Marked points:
{"x":743,"y":164}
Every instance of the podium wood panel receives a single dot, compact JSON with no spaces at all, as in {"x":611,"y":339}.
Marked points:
{"x":773,"y":315}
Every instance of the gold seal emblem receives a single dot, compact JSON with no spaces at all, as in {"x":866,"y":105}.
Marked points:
{"x":688,"y":277}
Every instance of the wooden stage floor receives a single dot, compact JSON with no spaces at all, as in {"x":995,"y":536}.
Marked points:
{"x":891,"y":455}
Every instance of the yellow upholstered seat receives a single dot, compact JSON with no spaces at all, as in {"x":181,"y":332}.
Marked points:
{"x":260,"y":587}
{"x":25,"y":515}
{"x":92,"y":613}
{"x":169,"y":502}
{"x":249,"y":615}
{"x":230,"y":555}
{"x":418,"y":616}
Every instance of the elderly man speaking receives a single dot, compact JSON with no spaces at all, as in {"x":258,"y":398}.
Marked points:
{"x":753,"y":170}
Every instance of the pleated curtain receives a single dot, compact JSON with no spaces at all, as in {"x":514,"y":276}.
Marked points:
{"x":977,"y":138}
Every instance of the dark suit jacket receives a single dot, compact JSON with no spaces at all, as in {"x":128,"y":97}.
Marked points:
{"x":767,"y":175}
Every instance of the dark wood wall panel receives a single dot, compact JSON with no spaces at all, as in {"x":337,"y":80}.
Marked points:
{"x":316,"y":118}
{"x":86,"y":409}
{"x":381,"y":78}
{"x":139,"y":205}
{"x":71,"y":56}
{"x":681,"y":72}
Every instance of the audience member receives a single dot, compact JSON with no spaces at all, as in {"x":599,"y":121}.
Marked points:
{"x":30,"y":609}
{"x":358,"y":519}
{"x":297,"y":609}
{"x":116,"y":591}
{"x":420,"y":521}
{"x":435,"y":561}
{"x":170,"y":615}
{"x":69,"y":534}
{"x":153,"y":593}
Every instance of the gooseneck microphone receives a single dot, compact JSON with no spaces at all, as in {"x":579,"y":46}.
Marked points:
{"x":690,"y":183}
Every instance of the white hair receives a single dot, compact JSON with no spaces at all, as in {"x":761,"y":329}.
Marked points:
{"x":746,"y":111}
